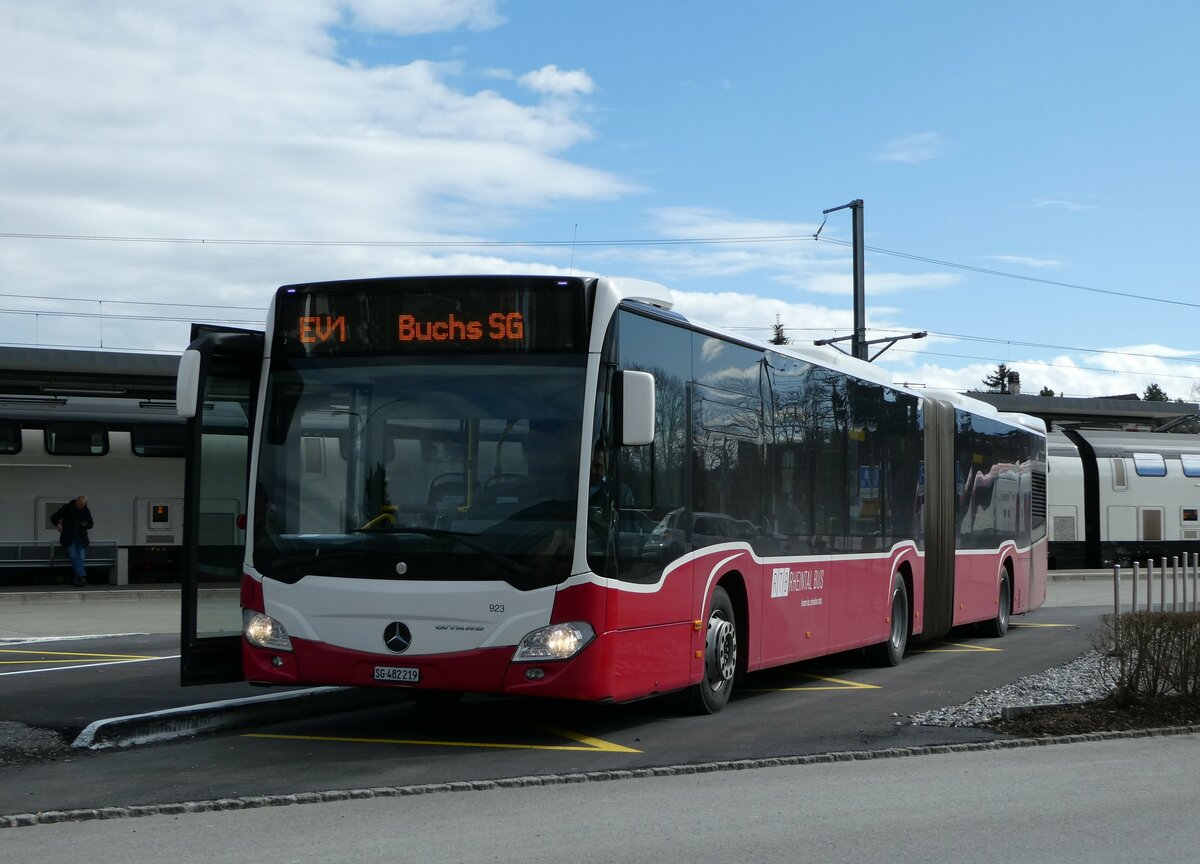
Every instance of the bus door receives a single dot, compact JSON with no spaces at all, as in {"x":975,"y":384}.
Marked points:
{"x":217,"y":391}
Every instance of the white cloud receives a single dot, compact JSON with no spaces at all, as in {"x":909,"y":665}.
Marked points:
{"x":710,"y":223}
{"x":913,"y":149}
{"x":557,"y":82}
{"x":239,"y":120}
{"x":1118,"y":373}
{"x":1024,"y":261}
{"x":753,"y":315}
{"x":1069,"y":201}
{"x":879,"y":283}
{"x":424,"y":16}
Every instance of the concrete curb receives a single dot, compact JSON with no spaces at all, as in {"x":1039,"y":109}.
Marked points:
{"x":97,"y":594}
{"x":50,"y":817}
{"x":191,"y":720}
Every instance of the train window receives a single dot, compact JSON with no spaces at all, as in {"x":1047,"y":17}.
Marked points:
{"x":1189,"y":515}
{"x":1190,"y":461}
{"x":10,"y":436}
{"x":76,"y":439}
{"x":1119,"y":483}
{"x":158,"y":439}
{"x":1149,"y":465}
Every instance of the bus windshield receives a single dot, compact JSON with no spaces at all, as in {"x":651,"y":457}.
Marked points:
{"x":381,"y":468}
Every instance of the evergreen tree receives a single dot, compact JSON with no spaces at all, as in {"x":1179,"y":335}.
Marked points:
{"x":1046,"y":391}
{"x":777,"y":337}
{"x":1154,"y":393}
{"x":997,"y":382}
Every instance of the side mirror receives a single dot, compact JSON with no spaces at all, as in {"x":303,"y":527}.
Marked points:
{"x":187,"y":384}
{"x":637,"y":408}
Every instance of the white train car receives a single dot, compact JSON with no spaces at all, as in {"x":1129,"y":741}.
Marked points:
{"x":1117,"y":497}
{"x":126,"y":456}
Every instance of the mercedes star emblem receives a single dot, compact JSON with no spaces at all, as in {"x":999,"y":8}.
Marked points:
{"x":397,"y":637}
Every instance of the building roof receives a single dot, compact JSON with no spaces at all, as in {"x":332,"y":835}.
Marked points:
{"x":69,"y":372}
{"x":1095,"y":412}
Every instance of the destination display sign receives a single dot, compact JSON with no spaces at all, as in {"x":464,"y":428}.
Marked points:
{"x":490,"y":314}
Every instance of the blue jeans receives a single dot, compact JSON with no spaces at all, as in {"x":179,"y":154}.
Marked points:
{"x":76,"y":552}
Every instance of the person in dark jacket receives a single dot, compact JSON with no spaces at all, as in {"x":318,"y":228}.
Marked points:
{"x":73,"y":520}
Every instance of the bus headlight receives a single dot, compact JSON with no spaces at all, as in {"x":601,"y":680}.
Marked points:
{"x":556,"y":642}
{"x":264,"y":631}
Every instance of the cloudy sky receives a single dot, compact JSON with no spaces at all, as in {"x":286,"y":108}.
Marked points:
{"x":1028,"y":169}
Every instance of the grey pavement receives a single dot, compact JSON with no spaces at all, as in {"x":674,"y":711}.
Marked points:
{"x":1109,"y":801}
{"x":98,"y":610}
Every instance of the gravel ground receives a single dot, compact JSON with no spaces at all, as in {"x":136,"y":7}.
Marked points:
{"x":1081,"y":680}
{"x":21,"y":744}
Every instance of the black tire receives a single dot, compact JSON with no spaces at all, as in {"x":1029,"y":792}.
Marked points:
{"x":720,"y":657}
{"x":998,"y":626}
{"x":891,"y":651}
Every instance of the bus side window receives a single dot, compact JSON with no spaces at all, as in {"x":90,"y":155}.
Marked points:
{"x":635,"y":474}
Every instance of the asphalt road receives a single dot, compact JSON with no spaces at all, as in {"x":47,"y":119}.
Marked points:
{"x":833,"y":705}
{"x":1114,"y":801}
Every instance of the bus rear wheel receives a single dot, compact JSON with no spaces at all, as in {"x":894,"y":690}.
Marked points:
{"x":720,"y":656}
{"x":891,"y":651}
{"x":998,"y":626}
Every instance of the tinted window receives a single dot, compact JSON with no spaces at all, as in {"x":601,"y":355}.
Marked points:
{"x":653,"y":474}
{"x":664,"y":351}
{"x":727,"y":452}
{"x":1191,"y":464}
{"x":994,"y":479}
{"x":76,"y":439}
{"x":1149,"y":465}
{"x":844,"y":460}
{"x":159,"y":439}
{"x":10,"y":436}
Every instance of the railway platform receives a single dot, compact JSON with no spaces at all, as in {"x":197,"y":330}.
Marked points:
{"x":44,"y":611}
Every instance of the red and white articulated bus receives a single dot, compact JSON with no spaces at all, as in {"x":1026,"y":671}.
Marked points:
{"x":559,"y":487}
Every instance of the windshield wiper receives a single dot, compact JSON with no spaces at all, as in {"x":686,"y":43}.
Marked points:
{"x":461,"y":537}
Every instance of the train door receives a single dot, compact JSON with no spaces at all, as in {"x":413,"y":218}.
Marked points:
{"x":1122,"y":524}
{"x":217,"y":392}
{"x":1152,"y":521}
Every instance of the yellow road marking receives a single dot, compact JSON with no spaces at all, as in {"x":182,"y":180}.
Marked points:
{"x":841,"y":684}
{"x":588,"y":744}
{"x":956,"y":648}
{"x":592,"y":743}
{"x":71,"y":657}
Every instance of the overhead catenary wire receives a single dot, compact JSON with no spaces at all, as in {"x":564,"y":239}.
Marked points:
{"x":573,"y":243}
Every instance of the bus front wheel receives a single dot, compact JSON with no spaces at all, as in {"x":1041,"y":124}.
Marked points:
{"x":720,"y":656}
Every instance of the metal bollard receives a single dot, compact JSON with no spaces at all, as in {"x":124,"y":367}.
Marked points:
{"x":1195,"y":580}
{"x":1175,"y":583}
{"x":1161,"y":569}
{"x":1133,"y":596}
{"x":1116,"y":591}
{"x":1149,"y":584}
